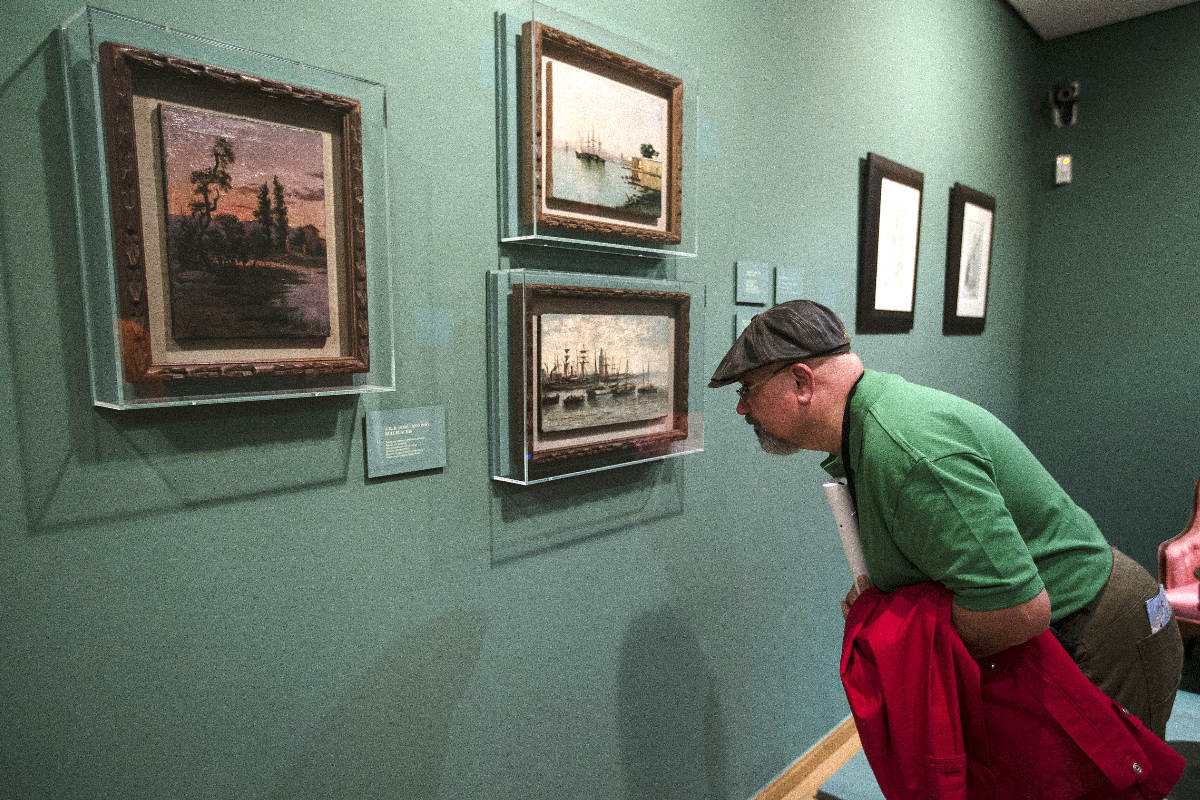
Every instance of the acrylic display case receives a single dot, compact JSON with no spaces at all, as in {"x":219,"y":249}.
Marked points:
{"x":232,"y":217}
{"x":591,"y":372}
{"x":596,"y":136}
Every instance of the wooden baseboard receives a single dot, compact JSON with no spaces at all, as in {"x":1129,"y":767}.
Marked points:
{"x":804,"y":777}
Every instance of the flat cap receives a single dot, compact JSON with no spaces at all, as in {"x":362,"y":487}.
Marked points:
{"x":794,"y":330}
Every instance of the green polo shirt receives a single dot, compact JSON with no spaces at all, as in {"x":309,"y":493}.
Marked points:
{"x":946,"y":492}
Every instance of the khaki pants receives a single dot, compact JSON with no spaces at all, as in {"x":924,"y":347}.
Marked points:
{"x":1110,"y":640}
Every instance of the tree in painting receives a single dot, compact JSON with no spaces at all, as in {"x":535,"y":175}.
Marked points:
{"x":234,"y":267}
{"x":262,"y":215}
{"x":210,"y":182}
{"x":279,"y":213}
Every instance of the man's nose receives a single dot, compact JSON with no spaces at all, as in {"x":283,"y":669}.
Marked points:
{"x":743,"y":407}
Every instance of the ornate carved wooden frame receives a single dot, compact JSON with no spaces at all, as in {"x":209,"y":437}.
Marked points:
{"x":536,"y":299}
{"x":536,"y":105}
{"x":120,"y":66}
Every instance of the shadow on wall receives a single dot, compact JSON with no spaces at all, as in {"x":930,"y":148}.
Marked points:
{"x":527,"y":520}
{"x":669,"y":713}
{"x":545,"y":258}
{"x":389,"y":734}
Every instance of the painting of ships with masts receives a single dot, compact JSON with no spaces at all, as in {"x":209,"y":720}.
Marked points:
{"x":598,"y":369}
{"x":608,"y":141}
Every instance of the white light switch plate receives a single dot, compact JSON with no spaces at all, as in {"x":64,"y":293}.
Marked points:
{"x":1062,"y":169}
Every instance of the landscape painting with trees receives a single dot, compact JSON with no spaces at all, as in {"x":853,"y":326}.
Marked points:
{"x":245,"y":227}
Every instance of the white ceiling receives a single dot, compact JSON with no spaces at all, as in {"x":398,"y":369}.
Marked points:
{"x":1054,"y":18}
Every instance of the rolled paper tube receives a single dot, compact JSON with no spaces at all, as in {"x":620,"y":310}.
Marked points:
{"x":838,"y":494}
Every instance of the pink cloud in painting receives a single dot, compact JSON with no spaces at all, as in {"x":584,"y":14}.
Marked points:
{"x":262,"y":152}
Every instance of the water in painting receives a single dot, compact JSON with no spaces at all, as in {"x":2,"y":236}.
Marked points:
{"x":609,"y":142}
{"x":603,"y":369}
{"x":245,"y":225}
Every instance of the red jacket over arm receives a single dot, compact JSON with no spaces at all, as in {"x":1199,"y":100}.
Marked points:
{"x":1024,"y":723}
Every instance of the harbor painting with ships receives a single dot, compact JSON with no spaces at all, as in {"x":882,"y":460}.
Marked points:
{"x":608,"y":144}
{"x":603,"y":369}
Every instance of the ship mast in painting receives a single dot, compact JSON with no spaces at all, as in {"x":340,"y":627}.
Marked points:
{"x":589,"y":149}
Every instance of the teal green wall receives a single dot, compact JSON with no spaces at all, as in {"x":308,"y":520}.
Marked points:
{"x":1111,"y":388}
{"x":212,"y":602}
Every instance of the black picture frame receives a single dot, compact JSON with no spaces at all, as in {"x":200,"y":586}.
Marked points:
{"x":969,"y":240}
{"x":888,"y":246}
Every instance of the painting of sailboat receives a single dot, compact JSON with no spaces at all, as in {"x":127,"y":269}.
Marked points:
{"x":603,"y":369}
{"x":608,"y":141}
{"x":609,"y":133}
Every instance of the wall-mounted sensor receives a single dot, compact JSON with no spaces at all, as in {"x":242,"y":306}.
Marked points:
{"x":1062,"y":170}
{"x":1064,"y":103}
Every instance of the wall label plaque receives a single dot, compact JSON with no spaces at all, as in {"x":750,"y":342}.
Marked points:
{"x":405,"y":440}
{"x":753,"y":283}
{"x":789,"y":284}
{"x":741,"y":320}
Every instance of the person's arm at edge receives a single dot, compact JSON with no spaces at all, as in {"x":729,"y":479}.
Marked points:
{"x":938,"y":490}
{"x":988,"y":632}
{"x":985,"y":632}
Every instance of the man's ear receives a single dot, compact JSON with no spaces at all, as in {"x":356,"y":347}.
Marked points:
{"x":805,"y":382}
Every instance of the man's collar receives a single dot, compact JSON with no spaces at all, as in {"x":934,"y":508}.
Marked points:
{"x":861,"y":395}
{"x":868,"y":389}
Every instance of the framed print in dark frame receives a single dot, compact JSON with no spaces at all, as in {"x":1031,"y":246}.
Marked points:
{"x":605,"y":154}
{"x":605,"y":370}
{"x":238,"y":220}
{"x":889,"y":241}
{"x":968,"y":260}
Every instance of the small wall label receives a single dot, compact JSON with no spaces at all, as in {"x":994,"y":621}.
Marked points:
{"x":405,"y":440}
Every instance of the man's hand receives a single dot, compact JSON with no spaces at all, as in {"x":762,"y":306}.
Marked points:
{"x":860,"y":585}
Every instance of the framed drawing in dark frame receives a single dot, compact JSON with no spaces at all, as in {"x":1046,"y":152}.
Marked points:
{"x":968,"y":260}
{"x":889,"y":241}
{"x":601,"y":141}
{"x":602,"y":370}
{"x":238,"y":221}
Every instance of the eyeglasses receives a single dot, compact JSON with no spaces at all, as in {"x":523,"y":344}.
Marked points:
{"x":743,"y":391}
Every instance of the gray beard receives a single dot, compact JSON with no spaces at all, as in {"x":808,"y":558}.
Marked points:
{"x":772,"y":444}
